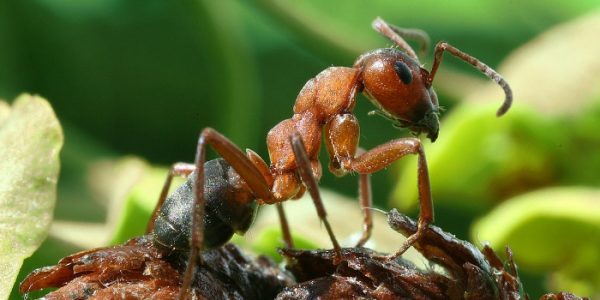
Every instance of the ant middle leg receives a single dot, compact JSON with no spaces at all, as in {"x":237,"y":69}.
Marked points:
{"x":177,"y":169}
{"x":366,"y":202}
{"x":307,"y":177}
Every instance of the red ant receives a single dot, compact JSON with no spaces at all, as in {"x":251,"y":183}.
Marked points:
{"x":393,"y":80}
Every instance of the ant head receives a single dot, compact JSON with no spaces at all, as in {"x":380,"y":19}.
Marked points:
{"x":400,"y":88}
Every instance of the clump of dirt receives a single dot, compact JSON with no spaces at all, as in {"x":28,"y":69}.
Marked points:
{"x":139,"y":270}
{"x":470,"y":273}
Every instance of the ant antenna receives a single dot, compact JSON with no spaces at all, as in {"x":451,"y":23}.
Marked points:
{"x":384,"y":28}
{"x":418,"y":35}
{"x":485,"y":69}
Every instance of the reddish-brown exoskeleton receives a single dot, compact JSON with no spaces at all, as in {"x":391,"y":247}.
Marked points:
{"x":394,"y":81}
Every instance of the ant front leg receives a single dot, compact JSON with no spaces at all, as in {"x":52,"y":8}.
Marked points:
{"x":342,"y":133}
{"x":177,"y":169}
{"x":306,"y":174}
{"x":384,"y":155}
{"x":246,"y":169}
{"x":341,"y":136}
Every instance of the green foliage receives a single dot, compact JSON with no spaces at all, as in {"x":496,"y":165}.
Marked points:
{"x":137,"y":205}
{"x":144,"y":77}
{"x":551,"y":229}
{"x":489,"y":28}
{"x":30,"y":141}
{"x":270,"y":239}
{"x":480,"y":159}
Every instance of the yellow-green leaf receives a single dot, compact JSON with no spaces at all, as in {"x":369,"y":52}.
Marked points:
{"x":132,"y":215}
{"x":30,"y":141}
{"x":479,"y":159}
{"x":555,"y":229}
{"x":557,"y":72}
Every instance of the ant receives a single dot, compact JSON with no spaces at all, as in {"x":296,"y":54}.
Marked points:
{"x":223,"y":194}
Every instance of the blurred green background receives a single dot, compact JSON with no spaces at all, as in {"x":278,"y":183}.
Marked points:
{"x":144,"y":77}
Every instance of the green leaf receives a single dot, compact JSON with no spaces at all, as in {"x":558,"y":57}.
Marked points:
{"x":581,"y":159}
{"x":30,"y":141}
{"x":270,"y":239}
{"x":129,"y":218}
{"x":556,"y":72}
{"x":551,"y":229}
{"x":479,"y":159}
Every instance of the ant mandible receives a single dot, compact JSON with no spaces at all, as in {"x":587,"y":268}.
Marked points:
{"x":391,"y":78}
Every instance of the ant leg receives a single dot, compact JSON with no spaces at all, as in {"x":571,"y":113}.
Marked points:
{"x":381,"y":157}
{"x":177,"y":169}
{"x":342,"y":134}
{"x":485,"y":69}
{"x":366,"y":202}
{"x":285,"y":228}
{"x":305,"y":171}
{"x":264,"y":169}
{"x":242,"y":165}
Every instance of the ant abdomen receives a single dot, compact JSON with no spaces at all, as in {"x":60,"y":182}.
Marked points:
{"x":223,"y":216}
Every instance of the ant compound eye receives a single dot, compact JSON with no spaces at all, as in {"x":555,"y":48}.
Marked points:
{"x":403,"y":72}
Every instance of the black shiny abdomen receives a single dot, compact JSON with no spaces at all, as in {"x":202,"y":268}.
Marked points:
{"x":223,"y":214}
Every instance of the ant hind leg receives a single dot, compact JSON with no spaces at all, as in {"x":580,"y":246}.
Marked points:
{"x":242,"y":165}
